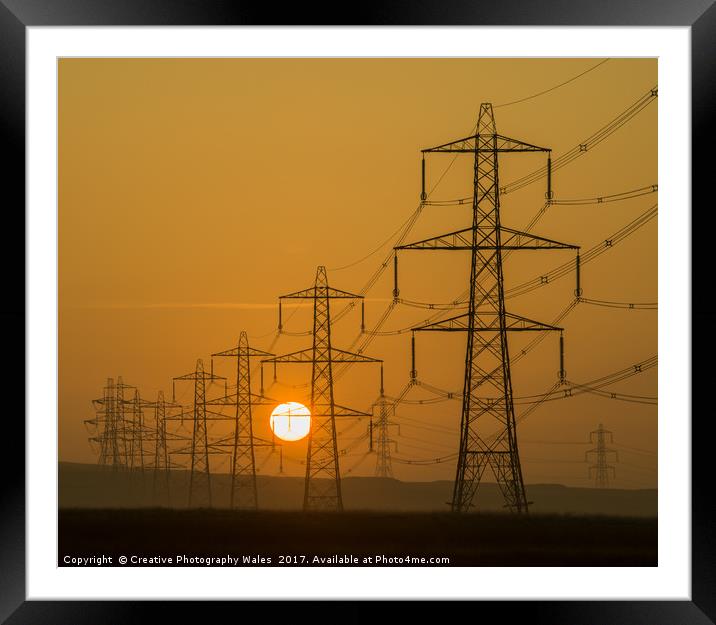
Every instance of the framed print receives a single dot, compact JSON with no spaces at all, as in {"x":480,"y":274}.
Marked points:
{"x":359,"y":312}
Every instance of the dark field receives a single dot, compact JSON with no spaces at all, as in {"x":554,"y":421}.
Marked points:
{"x":92,"y":486}
{"x":468,"y":540}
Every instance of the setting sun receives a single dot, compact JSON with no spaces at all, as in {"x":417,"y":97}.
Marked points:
{"x":291,"y":421}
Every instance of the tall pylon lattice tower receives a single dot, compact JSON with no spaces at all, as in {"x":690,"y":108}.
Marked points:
{"x":488,"y":435}
{"x":244,"y":493}
{"x":602,"y":455}
{"x":200,"y":469}
{"x":322,"y":489}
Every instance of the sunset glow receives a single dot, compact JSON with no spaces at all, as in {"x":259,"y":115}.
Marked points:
{"x":291,"y":421}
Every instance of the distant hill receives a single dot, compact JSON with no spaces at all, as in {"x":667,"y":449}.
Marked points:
{"x":92,"y":486}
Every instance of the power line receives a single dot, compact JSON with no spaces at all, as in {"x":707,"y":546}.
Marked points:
{"x":626,"y":305}
{"x":595,"y":251}
{"x":562,"y":84}
{"x":583,"y":147}
{"x":636,"y":449}
{"x":606,"y":199}
{"x":375,"y":331}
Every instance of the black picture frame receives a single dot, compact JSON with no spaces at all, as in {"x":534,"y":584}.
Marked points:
{"x":17,"y":15}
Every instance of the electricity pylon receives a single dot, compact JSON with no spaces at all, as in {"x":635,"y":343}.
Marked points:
{"x":487,"y":387}
{"x":123,"y":432}
{"x":244,"y":494}
{"x":138,"y":437}
{"x":601,"y":467}
{"x":322,"y":489}
{"x":136,"y":433}
{"x":385,"y":409}
{"x":200,"y":470}
{"x":162,"y":464}
{"x":116,"y":435}
{"x":105,"y":423}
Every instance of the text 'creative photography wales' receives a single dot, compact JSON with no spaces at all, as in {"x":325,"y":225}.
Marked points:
{"x":357,"y":312}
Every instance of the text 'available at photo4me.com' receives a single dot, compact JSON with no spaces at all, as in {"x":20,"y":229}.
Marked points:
{"x":255,"y":560}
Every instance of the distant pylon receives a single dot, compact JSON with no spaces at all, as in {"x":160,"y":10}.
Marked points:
{"x":601,"y":467}
{"x":200,"y":469}
{"x":123,"y":429}
{"x":107,"y":427}
{"x":244,"y":493}
{"x":487,"y":388}
{"x":136,"y":433}
{"x":322,"y":489}
{"x":384,"y":409}
{"x":161,"y":492}
{"x":160,"y":475}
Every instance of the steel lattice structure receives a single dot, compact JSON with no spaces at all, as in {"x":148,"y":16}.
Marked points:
{"x":385,"y":410}
{"x":244,"y":493}
{"x":487,"y":388}
{"x":135,"y":433}
{"x":200,"y":469}
{"x":322,"y":490}
{"x":122,"y":428}
{"x":161,"y":464}
{"x":601,"y":466}
{"x":107,"y":425}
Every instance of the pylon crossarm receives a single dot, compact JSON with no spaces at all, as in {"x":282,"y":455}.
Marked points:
{"x":516,"y":240}
{"x":237,"y":352}
{"x":343,"y":411}
{"x":212,"y":415}
{"x":229,"y":442}
{"x":473,"y":143}
{"x":204,"y":376}
{"x":487,"y":322}
{"x":510,"y":240}
{"x":302,"y":356}
{"x":453,"y":324}
{"x":518,"y":323}
{"x":323,"y":291}
{"x":305,"y":356}
{"x":346,"y":356}
{"x":508,"y":144}
{"x":230,"y":400}
{"x":457,"y":240}
{"x":188,"y":451}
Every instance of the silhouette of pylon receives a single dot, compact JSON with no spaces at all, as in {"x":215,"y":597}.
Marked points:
{"x":244,"y":492}
{"x":200,"y":468}
{"x":601,"y":467}
{"x":487,"y":389}
{"x":322,"y":488}
{"x":385,"y":409}
{"x":107,"y":428}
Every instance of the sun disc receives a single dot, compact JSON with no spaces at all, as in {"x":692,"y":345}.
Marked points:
{"x":291,"y":421}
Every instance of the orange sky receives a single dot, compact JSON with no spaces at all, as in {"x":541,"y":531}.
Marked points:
{"x":192,"y":192}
